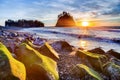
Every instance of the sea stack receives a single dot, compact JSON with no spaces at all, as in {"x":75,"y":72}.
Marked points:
{"x":65,"y":20}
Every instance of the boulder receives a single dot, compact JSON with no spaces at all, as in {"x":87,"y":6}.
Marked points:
{"x":85,"y":73}
{"x":10,"y":68}
{"x":65,"y":20}
{"x":95,"y":60}
{"x":48,"y":51}
{"x":62,"y":47}
{"x":38,"y":66}
{"x":112,"y":71}
{"x":115,"y":61}
{"x":97,"y":50}
{"x":114,"y":53}
{"x":45,"y":49}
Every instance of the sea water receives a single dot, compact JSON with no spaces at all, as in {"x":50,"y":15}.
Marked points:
{"x":107,"y":38}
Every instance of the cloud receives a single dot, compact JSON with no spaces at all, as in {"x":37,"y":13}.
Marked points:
{"x":49,"y":9}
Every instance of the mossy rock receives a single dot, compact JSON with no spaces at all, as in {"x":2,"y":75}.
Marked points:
{"x":84,"y":71}
{"x":48,"y":51}
{"x":42,"y":66}
{"x":45,"y":49}
{"x":112,"y":71}
{"x":10,"y":68}
{"x":96,"y":60}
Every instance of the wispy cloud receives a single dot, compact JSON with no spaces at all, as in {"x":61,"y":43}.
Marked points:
{"x":47,"y":10}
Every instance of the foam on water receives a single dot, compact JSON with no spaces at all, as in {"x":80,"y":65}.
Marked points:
{"x":86,"y":38}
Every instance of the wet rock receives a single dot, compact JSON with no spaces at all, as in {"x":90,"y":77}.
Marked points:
{"x":92,"y":59}
{"x":112,"y":71}
{"x":97,"y":50}
{"x":114,"y":53}
{"x":85,"y":73}
{"x":115,"y":61}
{"x":48,"y":51}
{"x":38,"y":66}
{"x":62,"y":47}
{"x":10,"y":68}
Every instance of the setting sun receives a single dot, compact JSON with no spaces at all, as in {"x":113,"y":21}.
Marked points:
{"x":85,"y":23}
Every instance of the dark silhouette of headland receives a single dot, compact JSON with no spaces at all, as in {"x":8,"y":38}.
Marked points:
{"x":24,"y":23}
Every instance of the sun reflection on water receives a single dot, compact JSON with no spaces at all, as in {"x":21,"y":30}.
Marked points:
{"x":83,"y":44}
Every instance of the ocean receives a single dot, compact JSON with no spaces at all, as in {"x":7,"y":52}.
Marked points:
{"x":107,"y":38}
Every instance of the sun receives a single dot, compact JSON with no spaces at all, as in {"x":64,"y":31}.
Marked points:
{"x":85,"y":23}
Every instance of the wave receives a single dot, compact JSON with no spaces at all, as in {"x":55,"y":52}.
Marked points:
{"x":80,"y":36}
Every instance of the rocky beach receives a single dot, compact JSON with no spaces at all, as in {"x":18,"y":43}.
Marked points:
{"x":23,"y":56}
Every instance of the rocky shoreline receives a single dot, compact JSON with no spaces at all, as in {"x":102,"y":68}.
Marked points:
{"x":29,"y":57}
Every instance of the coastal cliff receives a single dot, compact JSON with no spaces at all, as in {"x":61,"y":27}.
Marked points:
{"x":65,"y":20}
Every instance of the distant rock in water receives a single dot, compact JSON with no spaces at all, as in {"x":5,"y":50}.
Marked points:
{"x":65,"y":20}
{"x":24,"y":23}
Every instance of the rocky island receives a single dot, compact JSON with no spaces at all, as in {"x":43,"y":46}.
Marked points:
{"x":24,"y":23}
{"x":65,"y":20}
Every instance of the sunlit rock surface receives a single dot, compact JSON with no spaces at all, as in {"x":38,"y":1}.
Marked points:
{"x":84,"y":72}
{"x":38,"y":66}
{"x":65,"y":20}
{"x":95,"y":60}
{"x":10,"y":68}
{"x":48,"y":51}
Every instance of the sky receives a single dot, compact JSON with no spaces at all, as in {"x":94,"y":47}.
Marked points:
{"x":99,"y":12}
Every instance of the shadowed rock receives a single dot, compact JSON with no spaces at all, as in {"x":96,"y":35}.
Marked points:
{"x":114,"y":53}
{"x":96,"y":60}
{"x":112,"y":71}
{"x":38,"y":66}
{"x":62,"y":47}
{"x":10,"y":68}
{"x":65,"y":20}
{"x":85,"y":73}
{"x":98,"y":51}
{"x":115,"y":61}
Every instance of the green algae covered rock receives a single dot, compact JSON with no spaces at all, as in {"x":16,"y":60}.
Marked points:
{"x":112,"y":71}
{"x":10,"y":68}
{"x":96,"y":60}
{"x":48,"y":51}
{"x":83,"y":71}
{"x":38,"y":66}
{"x":45,"y":49}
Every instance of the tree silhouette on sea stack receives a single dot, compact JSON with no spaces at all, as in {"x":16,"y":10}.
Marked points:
{"x":65,"y":20}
